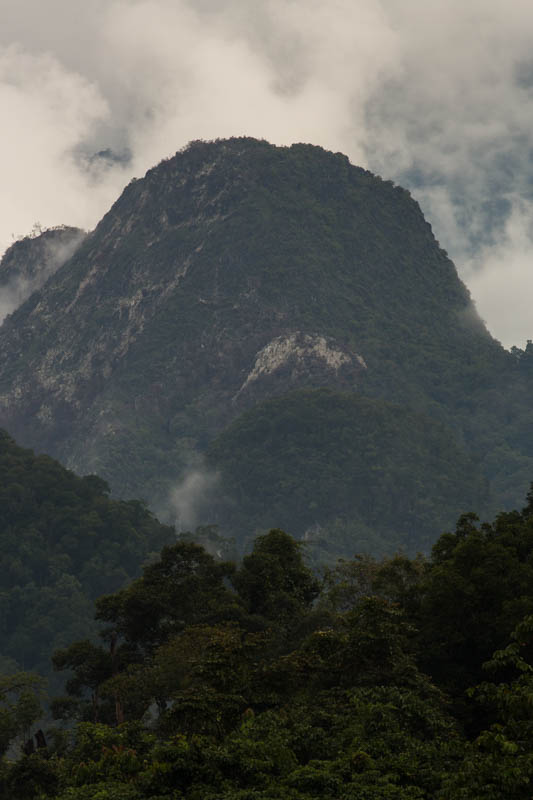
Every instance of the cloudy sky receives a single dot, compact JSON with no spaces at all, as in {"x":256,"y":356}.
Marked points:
{"x":437,"y":95}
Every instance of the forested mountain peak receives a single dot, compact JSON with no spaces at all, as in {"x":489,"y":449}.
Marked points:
{"x":236,"y":272}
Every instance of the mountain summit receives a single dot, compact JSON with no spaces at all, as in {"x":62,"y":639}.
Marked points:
{"x":231,"y":274}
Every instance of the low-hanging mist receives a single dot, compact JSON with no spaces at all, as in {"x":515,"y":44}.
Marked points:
{"x":28,"y":263}
{"x":189,"y":499}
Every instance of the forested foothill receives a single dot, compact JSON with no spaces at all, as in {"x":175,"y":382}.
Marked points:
{"x":382,"y":678}
{"x":63,"y":542}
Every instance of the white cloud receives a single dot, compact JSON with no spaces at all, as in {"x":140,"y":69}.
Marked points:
{"x":47,"y":111}
{"x":437,"y":95}
{"x":501,"y":278}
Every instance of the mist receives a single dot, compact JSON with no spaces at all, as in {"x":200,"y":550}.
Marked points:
{"x":190,"y":498}
{"x":51,"y":251}
{"x":438,"y":97}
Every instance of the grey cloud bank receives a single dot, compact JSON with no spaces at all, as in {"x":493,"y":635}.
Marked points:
{"x":438,"y":96}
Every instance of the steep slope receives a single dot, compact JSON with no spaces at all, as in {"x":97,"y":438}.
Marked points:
{"x":233,"y":272}
{"x":28,"y":263}
{"x":63,"y":542}
{"x":345,"y":472}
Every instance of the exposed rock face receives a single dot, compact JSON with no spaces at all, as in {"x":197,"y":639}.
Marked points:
{"x":300,"y":360}
{"x":232,"y":271}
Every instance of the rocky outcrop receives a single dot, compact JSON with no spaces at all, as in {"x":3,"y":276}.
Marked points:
{"x":300,"y":360}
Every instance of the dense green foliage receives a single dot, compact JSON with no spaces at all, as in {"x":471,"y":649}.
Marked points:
{"x":399,"y":678}
{"x":63,"y":542}
{"x":384,"y":476}
{"x":20,"y":706}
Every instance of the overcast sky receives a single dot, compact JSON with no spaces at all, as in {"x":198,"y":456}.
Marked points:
{"x":435,"y":94}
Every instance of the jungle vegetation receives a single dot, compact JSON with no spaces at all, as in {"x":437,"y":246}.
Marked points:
{"x":381,"y":678}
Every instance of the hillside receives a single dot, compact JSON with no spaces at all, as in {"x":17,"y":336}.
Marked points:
{"x":29,"y":262}
{"x":236,"y":272}
{"x":339,"y":469}
{"x":63,"y":542}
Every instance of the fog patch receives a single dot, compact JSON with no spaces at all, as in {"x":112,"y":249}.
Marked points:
{"x":191,"y":498}
{"x":501,"y":278}
{"x":28,"y":264}
{"x":12,"y":296}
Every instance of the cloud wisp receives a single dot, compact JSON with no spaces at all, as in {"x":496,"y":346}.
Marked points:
{"x":190,"y":498}
{"x":25,"y":272}
{"x":437,"y":96}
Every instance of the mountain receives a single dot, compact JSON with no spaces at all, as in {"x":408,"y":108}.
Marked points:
{"x":235,"y":273}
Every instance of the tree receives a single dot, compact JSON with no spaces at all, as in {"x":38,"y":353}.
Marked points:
{"x":91,"y":666}
{"x":500,"y":761}
{"x":476,"y":589}
{"x":20,"y":706}
{"x":273,"y":580}
{"x":186,"y":586}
